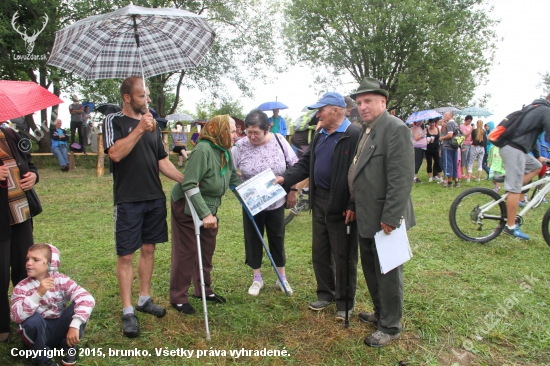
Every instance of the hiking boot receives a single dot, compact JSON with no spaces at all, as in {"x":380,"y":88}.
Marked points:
{"x":380,"y":339}
{"x":130,"y":325}
{"x":70,"y":358}
{"x":368,"y":318}
{"x":151,"y":308}
{"x":254,"y":290}
{"x":288,"y":288}
{"x":341,"y":315}
{"x":516,"y":233}
{"x":319,"y":305}
{"x":215,"y":298}
{"x":184,"y":308}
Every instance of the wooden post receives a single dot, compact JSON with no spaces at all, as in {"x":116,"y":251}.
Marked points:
{"x":71,"y":161}
{"x":165,"y":140}
{"x":100,"y":155}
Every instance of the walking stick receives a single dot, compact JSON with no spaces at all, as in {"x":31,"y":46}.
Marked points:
{"x":251,"y":217}
{"x":198,"y":223}
{"x":348,"y":229}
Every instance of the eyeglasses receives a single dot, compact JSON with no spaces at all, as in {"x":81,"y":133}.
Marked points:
{"x":255,"y":133}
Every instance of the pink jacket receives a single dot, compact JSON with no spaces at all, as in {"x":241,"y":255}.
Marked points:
{"x":26,"y":301}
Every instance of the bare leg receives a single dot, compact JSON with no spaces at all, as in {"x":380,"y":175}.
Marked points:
{"x":146,"y":262}
{"x":180,"y":160}
{"x":125,"y":276}
{"x":512,"y":201}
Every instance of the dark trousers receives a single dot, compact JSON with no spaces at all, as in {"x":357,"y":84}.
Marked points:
{"x":274,"y":224}
{"x":484,"y":164}
{"x":386,"y":290}
{"x":13,"y":254}
{"x":433,"y":166}
{"x":418,"y":157}
{"x":185,"y":267}
{"x":78,"y":126}
{"x":329,"y":254}
{"x":39,"y":333}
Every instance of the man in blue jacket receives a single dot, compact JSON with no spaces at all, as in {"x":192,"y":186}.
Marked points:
{"x":278,"y":123}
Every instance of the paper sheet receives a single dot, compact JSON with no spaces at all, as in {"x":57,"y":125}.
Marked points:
{"x":259,"y":192}
{"x":393,"y":249}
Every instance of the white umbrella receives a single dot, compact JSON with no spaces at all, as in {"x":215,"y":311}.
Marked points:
{"x":179,"y":117}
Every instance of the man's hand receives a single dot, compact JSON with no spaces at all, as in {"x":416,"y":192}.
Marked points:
{"x":291,"y":199}
{"x":543,"y":160}
{"x":279,"y":180}
{"x":387,"y":228}
{"x":45,"y":285}
{"x":350,"y":216}
{"x":28,"y":181}
{"x":210,"y":222}
{"x":72,"y":337}
{"x":4,"y":173}
{"x":146,"y":122}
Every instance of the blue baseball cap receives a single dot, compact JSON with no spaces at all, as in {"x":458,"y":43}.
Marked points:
{"x":330,"y":98}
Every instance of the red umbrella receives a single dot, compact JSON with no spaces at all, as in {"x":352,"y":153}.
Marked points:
{"x":19,"y":98}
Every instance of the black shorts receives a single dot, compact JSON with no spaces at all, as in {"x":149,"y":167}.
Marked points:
{"x":178,"y":149}
{"x":139,"y":222}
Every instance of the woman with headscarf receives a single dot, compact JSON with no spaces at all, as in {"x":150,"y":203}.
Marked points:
{"x":17,"y":175}
{"x":210,"y":168}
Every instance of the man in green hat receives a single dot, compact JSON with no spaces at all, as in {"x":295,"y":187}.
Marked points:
{"x":380,"y":180}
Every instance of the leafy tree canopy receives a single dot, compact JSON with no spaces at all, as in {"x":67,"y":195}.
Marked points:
{"x":428,"y":53}
{"x":208,"y":109}
{"x":545,"y":83}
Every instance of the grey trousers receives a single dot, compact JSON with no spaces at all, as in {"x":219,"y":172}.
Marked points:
{"x":386,"y":290}
{"x":329,"y":254}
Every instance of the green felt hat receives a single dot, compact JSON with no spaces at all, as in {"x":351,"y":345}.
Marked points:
{"x":370,"y":85}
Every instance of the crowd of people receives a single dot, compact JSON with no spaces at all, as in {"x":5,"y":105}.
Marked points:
{"x":361,"y":177}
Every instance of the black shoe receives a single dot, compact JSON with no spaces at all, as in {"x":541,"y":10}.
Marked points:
{"x":184,"y":308}
{"x":151,"y":308}
{"x":70,"y":359}
{"x":215,"y":298}
{"x":418,"y":181}
{"x":130,"y":325}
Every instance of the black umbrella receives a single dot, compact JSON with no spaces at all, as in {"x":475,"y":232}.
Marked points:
{"x":108,"y":108}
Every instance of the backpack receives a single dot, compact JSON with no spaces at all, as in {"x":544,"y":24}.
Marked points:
{"x":302,"y":123}
{"x":457,"y":139}
{"x":504,"y":133}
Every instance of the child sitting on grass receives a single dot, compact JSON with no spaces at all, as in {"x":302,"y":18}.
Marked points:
{"x":39,"y":306}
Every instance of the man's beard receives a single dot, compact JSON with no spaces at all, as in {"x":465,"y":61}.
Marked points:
{"x":137,"y":108}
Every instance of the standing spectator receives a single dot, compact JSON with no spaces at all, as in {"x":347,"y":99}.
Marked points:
{"x":479,"y":143}
{"x":85,"y":131}
{"x":140,"y":204}
{"x":209,"y":170}
{"x":59,"y":138}
{"x":466,"y":129}
{"x":488,"y":128}
{"x":432,"y":152}
{"x":260,"y":151}
{"x":278,"y":123}
{"x":380,"y":182}
{"x":326,"y":163}
{"x":419,"y":143}
{"x":449,"y":154}
{"x":76,"y":109}
{"x":179,"y":143}
{"x":17,"y":175}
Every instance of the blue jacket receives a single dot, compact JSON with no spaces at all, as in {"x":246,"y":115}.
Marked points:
{"x":283,"y":130}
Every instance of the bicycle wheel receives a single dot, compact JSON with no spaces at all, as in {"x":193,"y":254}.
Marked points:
{"x":546,"y":226}
{"x":535,"y":191}
{"x":465,"y":218}
{"x":301,"y":206}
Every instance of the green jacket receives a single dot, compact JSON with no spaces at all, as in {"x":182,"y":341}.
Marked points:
{"x":203,"y":168}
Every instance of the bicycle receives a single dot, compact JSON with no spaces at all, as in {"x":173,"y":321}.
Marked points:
{"x":474,"y":210}
{"x":302,"y":205}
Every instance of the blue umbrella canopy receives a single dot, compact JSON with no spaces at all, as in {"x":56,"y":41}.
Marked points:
{"x":89,"y":104}
{"x":423,"y":115}
{"x":268,"y":106}
{"x":476,"y":112}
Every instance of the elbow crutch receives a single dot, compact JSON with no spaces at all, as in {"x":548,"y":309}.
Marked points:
{"x":198,"y":223}
{"x":251,"y":217}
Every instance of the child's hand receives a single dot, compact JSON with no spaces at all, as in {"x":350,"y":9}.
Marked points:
{"x":72,"y":337}
{"x":45,"y":285}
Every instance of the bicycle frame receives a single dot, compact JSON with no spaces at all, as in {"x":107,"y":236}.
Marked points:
{"x":533,"y":201}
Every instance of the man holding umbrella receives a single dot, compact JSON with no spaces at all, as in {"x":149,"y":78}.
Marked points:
{"x":140,"y":204}
{"x":326,"y":163}
{"x":278,"y":123}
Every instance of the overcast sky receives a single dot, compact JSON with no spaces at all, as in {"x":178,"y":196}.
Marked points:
{"x":521,"y":56}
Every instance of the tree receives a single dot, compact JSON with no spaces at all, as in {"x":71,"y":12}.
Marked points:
{"x":207,"y":110}
{"x":428,"y":53}
{"x":245,"y":46}
{"x":545,"y":83}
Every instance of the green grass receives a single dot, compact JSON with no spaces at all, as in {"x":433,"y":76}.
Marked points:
{"x":451,"y":289}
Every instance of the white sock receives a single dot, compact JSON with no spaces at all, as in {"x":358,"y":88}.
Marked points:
{"x":128,"y":310}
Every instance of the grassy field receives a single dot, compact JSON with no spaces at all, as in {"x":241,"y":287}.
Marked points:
{"x":465,"y":303}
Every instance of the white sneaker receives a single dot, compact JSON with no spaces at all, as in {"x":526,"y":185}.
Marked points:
{"x":468,"y":180}
{"x":254,"y":290}
{"x":288,"y":288}
{"x":430,"y":180}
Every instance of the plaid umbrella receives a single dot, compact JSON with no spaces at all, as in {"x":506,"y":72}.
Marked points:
{"x":108,"y":45}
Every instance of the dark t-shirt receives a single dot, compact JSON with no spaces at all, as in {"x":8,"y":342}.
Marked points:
{"x":136,"y":177}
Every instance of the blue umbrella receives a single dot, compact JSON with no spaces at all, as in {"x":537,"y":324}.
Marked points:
{"x":268,"y":106}
{"x":476,"y":112}
{"x":423,"y":115}
{"x":89,"y":104}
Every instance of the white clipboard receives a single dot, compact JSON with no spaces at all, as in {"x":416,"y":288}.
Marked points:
{"x":393,"y":249}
